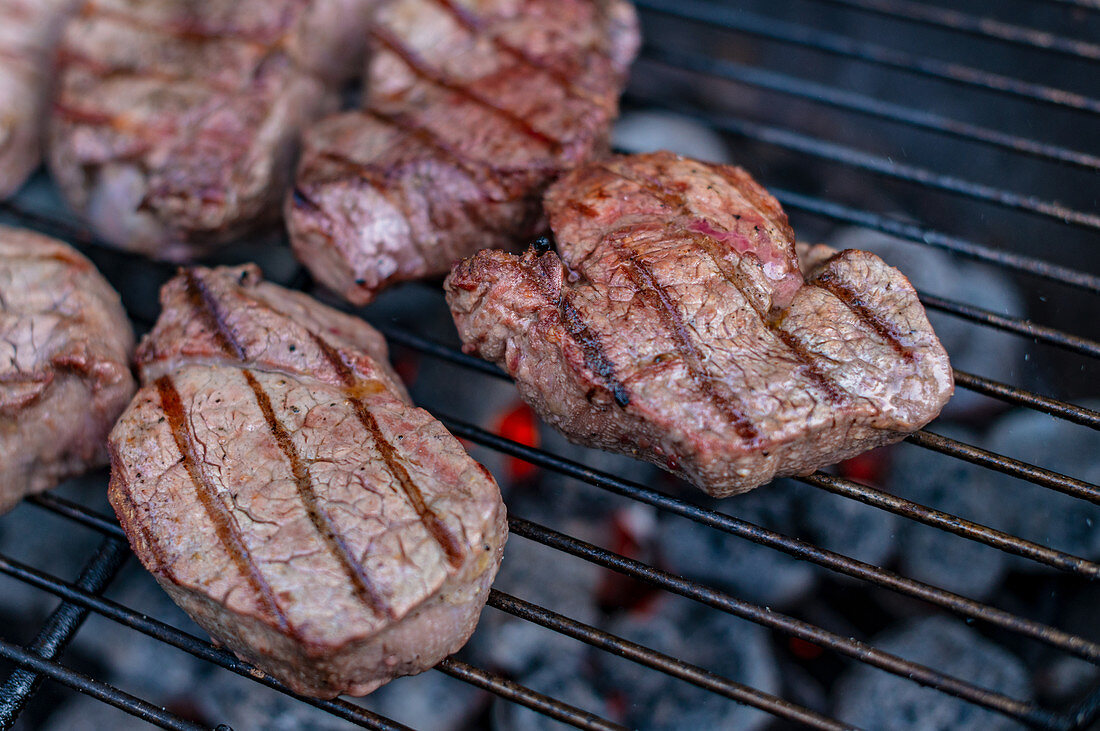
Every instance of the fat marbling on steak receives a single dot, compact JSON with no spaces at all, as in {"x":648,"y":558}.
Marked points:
{"x":29,"y":30}
{"x":677,"y":326}
{"x":472,"y":108}
{"x":64,"y":364}
{"x":176,"y":124}
{"x":273,"y":476}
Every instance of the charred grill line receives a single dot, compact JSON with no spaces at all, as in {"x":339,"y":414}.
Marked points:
{"x":225,"y":525}
{"x":103,"y":71}
{"x":192,"y":32}
{"x":364,"y":589}
{"x":208,"y":308}
{"x":372,"y":176}
{"x":833,"y":392}
{"x":851,"y":300}
{"x":432,"y":522}
{"x":589,"y":342}
{"x":651,"y":291}
{"x":475,"y":26}
{"x":419,"y":67}
{"x":431,"y":138}
{"x":141,"y":132}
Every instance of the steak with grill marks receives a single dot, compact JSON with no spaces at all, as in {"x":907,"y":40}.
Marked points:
{"x":29,"y":30}
{"x":675,"y":324}
{"x":64,"y":366}
{"x":473,"y":107}
{"x":176,"y":124}
{"x":273,"y":476}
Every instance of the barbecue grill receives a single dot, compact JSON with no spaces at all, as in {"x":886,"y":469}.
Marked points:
{"x":842,"y":108}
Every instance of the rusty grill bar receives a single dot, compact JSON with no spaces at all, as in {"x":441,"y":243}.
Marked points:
{"x":39,"y":660}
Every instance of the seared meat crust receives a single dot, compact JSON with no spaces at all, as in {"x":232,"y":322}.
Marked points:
{"x":472,"y":109}
{"x":29,"y":30}
{"x":676,"y":326}
{"x":275,"y":479}
{"x":64,"y":366}
{"x":176,"y":124}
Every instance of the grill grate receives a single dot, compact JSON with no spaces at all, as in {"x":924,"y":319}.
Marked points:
{"x":39,"y":659}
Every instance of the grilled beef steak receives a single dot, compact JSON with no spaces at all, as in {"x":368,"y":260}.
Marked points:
{"x":275,"y":479}
{"x":472,"y":109}
{"x":176,"y":123}
{"x":677,"y":326}
{"x":65,"y":364}
{"x":28,"y":33}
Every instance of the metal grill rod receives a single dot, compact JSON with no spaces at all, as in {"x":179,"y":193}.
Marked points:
{"x":1020,"y":710}
{"x":32,"y":663}
{"x":661,"y":662}
{"x":884,"y":501}
{"x":1021,"y":470}
{"x":1019,"y":326}
{"x":189,"y":643}
{"x":721,"y":601}
{"x":1011,"y":394}
{"x":75,"y":595}
{"x":936,"y":16}
{"x":954,"y":524}
{"x":799,"y":549}
{"x":781,"y":31}
{"x":929,"y":237}
{"x":499,"y":600}
{"x":855,"y":102}
{"x":1015,"y":325}
{"x":819,"y":207}
{"x":517,"y":693}
{"x":1006,"y":465}
{"x":59,"y":629}
{"x":849,"y":156}
{"x":978,"y":384}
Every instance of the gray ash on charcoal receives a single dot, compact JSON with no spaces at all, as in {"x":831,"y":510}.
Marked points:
{"x":870,"y":698}
{"x":762,"y":574}
{"x":1038,"y":513}
{"x":542,"y":576}
{"x":570,"y":497}
{"x":242,"y":704}
{"x":652,"y":701}
{"x":565,"y":681}
{"x":748,"y":570}
{"x":949,"y":484}
{"x":431,"y":701}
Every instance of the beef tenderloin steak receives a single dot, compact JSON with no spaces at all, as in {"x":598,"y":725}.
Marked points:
{"x":273,"y":476}
{"x":472,"y":108}
{"x":675,"y":324}
{"x":29,"y":30}
{"x":176,"y":124}
{"x":64,"y":364}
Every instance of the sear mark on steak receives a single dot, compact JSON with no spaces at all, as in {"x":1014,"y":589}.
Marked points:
{"x":29,"y":31}
{"x":225,"y":526}
{"x":472,"y":109}
{"x":64,"y":364}
{"x":274,"y":477}
{"x":692,"y":338}
{"x":176,"y":125}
